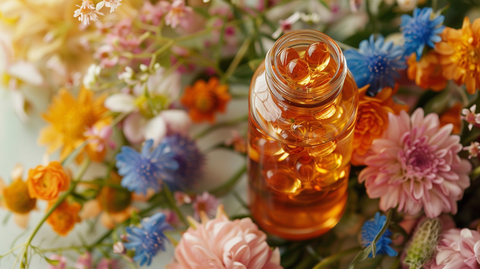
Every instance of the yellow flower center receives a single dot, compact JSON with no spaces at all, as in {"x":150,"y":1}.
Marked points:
{"x":76,"y":121}
{"x":17,"y":198}
{"x":467,"y":57}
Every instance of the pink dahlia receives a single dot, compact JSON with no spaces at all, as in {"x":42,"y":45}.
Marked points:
{"x":458,"y":249}
{"x":224,"y":244}
{"x":416,"y":165}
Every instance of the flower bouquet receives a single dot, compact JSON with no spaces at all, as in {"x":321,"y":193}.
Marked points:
{"x":136,"y":97}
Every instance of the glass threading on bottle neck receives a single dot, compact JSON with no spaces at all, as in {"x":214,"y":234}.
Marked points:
{"x":317,"y":96}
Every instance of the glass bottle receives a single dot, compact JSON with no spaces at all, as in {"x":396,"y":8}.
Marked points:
{"x":302,"y":108}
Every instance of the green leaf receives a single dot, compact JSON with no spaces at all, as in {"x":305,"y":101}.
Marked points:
{"x":135,"y":219}
{"x":52,"y":262}
{"x":325,"y":4}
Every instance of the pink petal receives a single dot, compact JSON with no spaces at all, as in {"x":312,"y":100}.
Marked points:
{"x":155,"y":129}
{"x":134,"y":128}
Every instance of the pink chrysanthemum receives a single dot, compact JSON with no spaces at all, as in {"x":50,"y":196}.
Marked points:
{"x":458,"y":249}
{"x":224,"y":244}
{"x":205,"y":202}
{"x":416,"y":165}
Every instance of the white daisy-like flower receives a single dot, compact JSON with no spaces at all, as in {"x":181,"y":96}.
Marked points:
{"x":471,"y":117}
{"x":112,"y":4}
{"x":87,"y":12}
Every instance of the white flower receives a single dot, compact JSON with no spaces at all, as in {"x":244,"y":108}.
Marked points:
{"x":87,"y":12}
{"x":91,"y":77}
{"x":112,"y":4}
{"x":313,"y":18}
{"x":470,"y":116}
{"x":407,"y":5}
{"x":473,"y":149}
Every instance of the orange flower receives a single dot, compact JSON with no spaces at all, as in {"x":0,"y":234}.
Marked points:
{"x":69,"y":119}
{"x":46,"y":182}
{"x":114,"y":202}
{"x":427,"y":73}
{"x":460,"y":54}
{"x":452,"y":115}
{"x":372,"y":119}
{"x":204,"y":99}
{"x":16,"y":198}
{"x":64,"y":217}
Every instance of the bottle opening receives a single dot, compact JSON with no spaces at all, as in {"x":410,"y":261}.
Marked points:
{"x":306,"y":68}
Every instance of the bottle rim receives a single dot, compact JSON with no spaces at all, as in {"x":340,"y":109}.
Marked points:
{"x":315,"y":96}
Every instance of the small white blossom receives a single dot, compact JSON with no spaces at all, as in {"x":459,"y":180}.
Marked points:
{"x":473,"y":149}
{"x":286,"y":25}
{"x":128,"y":76}
{"x":91,"y":77}
{"x":470,"y":116}
{"x":112,"y":4}
{"x":87,"y":12}
{"x":313,"y":18}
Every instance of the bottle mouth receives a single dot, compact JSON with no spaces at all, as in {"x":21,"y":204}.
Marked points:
{"x":315,"y":96}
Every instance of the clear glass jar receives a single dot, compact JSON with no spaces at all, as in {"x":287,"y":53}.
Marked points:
{"x":300,"y":142}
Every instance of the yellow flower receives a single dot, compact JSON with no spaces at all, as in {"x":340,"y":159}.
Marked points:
{"x":69,"y":119}
{"x":64,"y":217}
{"x":460,"y":54}
{"x":372,"y":119}
{"x":16,"y":198}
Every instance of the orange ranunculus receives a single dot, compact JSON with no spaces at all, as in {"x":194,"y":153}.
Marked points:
{"x":64,"y":217}
{"x":452,"y":115}
{"x":46,"y":182}
{"x":427,"y":72}
{"x":203,"y":99}
{"x":460,"y":54}
{"x":372,"y":119}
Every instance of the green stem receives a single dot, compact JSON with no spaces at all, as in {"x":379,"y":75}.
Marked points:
{"x":238,"y":57}
{"x":227,"y":186}
{"x":221,"y":125}
{"x":371,"y":17}
{"x":331,"y":259}
{"x":173,"y":205}
{"x":73,"y":248}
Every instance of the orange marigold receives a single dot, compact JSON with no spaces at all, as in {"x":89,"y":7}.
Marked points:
{"x":452,"y":115}
{"x":64,"y":217}
{"x":372,"y":119}
{"x":460,"y":54}
{"x":204,"y":99}
{"x":46,"y":182}
{"x":427,"y":72}
{"x":69,"y":118}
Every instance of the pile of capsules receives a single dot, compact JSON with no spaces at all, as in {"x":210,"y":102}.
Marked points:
{"x":305,"y":69}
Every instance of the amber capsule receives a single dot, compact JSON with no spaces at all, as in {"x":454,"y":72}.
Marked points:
{"x":297,"y":70}
{"x":318,"y":79}
{"x":287,"y":55}
{"x":317,"y":56}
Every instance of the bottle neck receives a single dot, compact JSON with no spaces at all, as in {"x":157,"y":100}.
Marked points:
{"x":313,"y":97}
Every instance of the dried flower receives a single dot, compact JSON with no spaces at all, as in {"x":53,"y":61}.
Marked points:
{"x":46,"y":182}
{"x":87,"y":12}
{"x":372,"y":119}
{"x":457,"y":249}
{"x":415,"y":165}
{"x":147,"y":169}
{"x":421,"y":30}
{"x":427,"y":72}
{"x":148,"y":240}
{"x":204,"y":99}
{"x":64,"y":217}
{"x":471,"y":117}
{"x":370,"y":230}
{"x":376,"y":63}
{"x":422,"y":247}
{"x":460,"y":54}
{"x":206,"y":203}
{"x":16,"y":198}
{"x":473,"y":149}
{"x":222,"y":243}
{"x":69,"y":118}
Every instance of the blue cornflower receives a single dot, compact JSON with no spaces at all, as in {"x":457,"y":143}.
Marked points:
{"x":190,"y":161}
{"x":370,"y":229}
{"x":148,"y":239}
{"x":421,"y":30}
{"x":375,"y":63}
{"x":147,"y":169}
